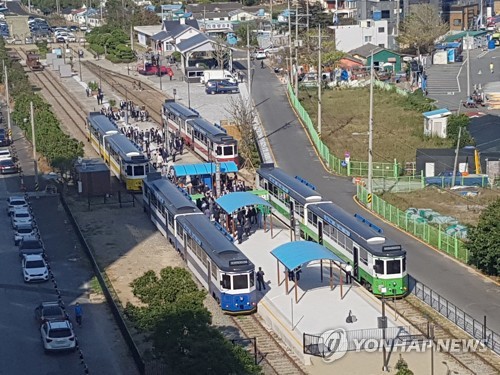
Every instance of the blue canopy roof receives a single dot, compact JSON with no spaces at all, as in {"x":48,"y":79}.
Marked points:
{"x":231,"y":202}
{"x":297,"y":253}
{"x":437,"y":113}
{"x":203,"y":168}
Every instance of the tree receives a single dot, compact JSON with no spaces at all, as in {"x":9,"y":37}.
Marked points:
{"x":402,"y":367}
{"x":455,"y":122}
{"x":241,"y":33}
{"x":421,"y":28}
{"x":220,"y":52}
{"x":243,"y":116}
{"x":484,"y":240}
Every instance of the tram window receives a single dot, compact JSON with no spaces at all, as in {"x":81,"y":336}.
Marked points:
{"x":154,"y":202}
{"x":404,"y":264}
{"x":348,"y":244}
{"x":163,"y":213}
{"x":214,"y":270}
{"x":204,"y":259}
{"x":393,"y":266}
{"x":363,"y":256}
{"x":139,"y":170}
{"x":218,"y":150}
{"x":240,"y":282}
{"x":299,"y":209}
{"x":327,"y":229}
{"x":341,"y":239}
{"x":312,"y":218}
{"x":262,"y":183}
{"x":252,"y":279}
{"x":228,"y":150}
{"x":226,"y":281}
{"x":129,"y":170}
{"x":235,"y":150}
{"x":180,"y":231}
{"x":379,"y":266}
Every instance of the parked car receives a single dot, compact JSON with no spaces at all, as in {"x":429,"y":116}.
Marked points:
{"x":221,"y":87}
{"x":57,"y":335}
{"x":260,"y":54}
{"x":5,"y":153}
{"x":4,"y":140}
{"x":8,"y":166}
{"x":60,"y":39}
{"x":23,"y":231}
{"x":34,"y":268}
{"x":31,"y":246}
{"x":21,"y":216}
{"x":50,"y":311}
{"x":15,"y":202}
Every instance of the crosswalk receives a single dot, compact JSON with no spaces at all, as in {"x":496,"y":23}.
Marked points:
{"x":442,"y":79}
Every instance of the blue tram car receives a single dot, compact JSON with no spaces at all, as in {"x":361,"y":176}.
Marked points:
{"x":208,"y":250}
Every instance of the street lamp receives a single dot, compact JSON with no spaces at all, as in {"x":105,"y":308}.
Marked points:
{"x":175,"y":93}
{"x":80,"y":64}
{"x":383,"y":325}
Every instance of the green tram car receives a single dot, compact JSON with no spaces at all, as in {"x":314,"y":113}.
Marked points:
{"x":378,"y":263}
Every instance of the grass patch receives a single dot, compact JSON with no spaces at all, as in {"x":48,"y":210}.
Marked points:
{"x":95,"y":287}
{"x":397,"y":125}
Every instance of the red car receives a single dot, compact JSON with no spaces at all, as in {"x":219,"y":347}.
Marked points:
{"x":150,"y":70}
{"x":8,"y":166}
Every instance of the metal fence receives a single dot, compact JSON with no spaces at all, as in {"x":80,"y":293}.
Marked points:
{"x":106,"y":291}
{"x":459,"y":317}
{"x":433,"y":235}
{"x":336,"y":164}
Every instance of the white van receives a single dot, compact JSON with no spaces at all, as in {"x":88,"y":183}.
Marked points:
{"x":217,"y":74}
{"x":5,"y":154}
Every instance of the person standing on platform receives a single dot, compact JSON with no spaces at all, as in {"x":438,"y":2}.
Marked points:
{"x":239,"y":230}
{"x":260,"y":279}
{"x":247,"y":226}
{"x":348,"y":273}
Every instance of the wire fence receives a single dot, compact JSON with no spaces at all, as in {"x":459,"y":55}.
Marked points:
{"x":451,"y":244}
{"x":459,"y":317}
{"x":336,"y":164}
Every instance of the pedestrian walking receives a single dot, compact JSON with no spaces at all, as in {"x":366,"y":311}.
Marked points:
{"x":260,"y":279}
{"x":78,"y":314}
{"x":348,"y":273}
{"x":492,"y":67}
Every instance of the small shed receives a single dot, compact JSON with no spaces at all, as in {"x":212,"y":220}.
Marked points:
{"x":383,"y":58}
{"x":436,"y":123}
{"x":92,"y":177}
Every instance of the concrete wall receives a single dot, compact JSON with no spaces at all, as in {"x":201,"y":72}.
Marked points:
{"x":350,"y":37}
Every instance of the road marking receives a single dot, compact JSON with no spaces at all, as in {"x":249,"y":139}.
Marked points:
{"x":458,"y":75}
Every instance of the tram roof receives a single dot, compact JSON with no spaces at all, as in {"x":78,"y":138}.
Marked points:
{"x":169,"y":194}
{"x":207,"y":128}
{"x":223,"y":252}
{"x":180,"y":110}
{"x":101,"y":122}
{"x":359,"y":231}
{"x":291,"y":186}
{"x":125,"y":147}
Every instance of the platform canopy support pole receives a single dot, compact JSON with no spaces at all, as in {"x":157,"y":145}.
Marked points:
{"x":296,"y":288}
{"x":271,"y":221}
{"x":321,"y":268}
{"x":331,"y":276}
{"x":278,"y":268}
{"x":341,"y":283}
{"x":286,"y":280}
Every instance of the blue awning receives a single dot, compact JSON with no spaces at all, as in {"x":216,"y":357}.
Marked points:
{"x":297,"y":253}
{"x":231,"y":202}
{"x":182,"y":170}
{"x":437,"y":113}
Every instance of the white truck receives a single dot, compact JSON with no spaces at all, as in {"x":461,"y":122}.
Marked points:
{"x":217,"y":74}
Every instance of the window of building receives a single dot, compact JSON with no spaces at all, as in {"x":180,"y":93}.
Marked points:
{"x":393,"y":266}
{"x":368,"y":39}
{"x":381,"y":29}
{"x":457,"y":22}
{"x":381,"y":45}
{"x":240,"y":282}
{"x":386,"y":14}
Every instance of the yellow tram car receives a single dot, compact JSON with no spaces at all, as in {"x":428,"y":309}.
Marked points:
{"x":124,"y":158}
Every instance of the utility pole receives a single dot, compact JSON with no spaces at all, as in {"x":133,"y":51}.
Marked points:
{"x":272,"y":22}
{"x":297,"y":50}
{"x":33,"y":137}
{"x":468,"y":65}
{"x":370,"y":134}
{"x":320,"y":76}
{"x":249,"y":70}
{"x":397,"y":16}
{"x":290,"y":43}
{"x":9,"y":124}
{"x":455,"y":164}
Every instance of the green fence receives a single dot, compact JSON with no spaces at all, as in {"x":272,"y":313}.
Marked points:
{"x":430,"y":234}
{"x":338,"y":165}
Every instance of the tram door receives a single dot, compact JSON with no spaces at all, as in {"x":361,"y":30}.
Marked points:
{"x":320,"y":232}
{"x":355,"y":266}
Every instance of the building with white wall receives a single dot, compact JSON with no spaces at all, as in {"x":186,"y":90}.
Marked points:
{"x":350,"y":37}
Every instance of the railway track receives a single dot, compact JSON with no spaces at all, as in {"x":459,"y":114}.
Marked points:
{"x":273,"y":358}
{"x":148,"y":96}
{"x":415,"y":312}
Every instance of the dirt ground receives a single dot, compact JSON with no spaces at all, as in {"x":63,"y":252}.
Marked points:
{"x":465,"y":209}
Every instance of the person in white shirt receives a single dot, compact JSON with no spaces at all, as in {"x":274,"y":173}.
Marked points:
{"x":348,"y":273}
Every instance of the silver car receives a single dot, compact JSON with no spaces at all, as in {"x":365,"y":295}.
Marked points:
{"x":57,"y":336}
{"x":34,"y":268}
{"x":21,"y":216}
{"x":23,"y":231}
{"x":16,"y":202}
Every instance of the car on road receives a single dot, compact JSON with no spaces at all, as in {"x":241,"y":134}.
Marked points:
{"x":50,"y":311}
{"x":260,"y":54}
{"x":58,"y":335}
{"x":21,"y":216}
{"x":23,"y":231}
{"x":34,"y":268}
{"x":4,"y":140}
{"x":5,"y":153}
{"x":31,"y":246}
{"x":15,"y":202}
{"x":60,"y":39}
{"x":217,"y":86}
{"x":8,"y":166}
{"x":73,"y":28}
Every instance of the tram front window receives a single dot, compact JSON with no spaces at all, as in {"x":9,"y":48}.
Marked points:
{"x":139,"y":170}
{"x":379,"y":266}
{"x":129,"y":170}
{"x":226,"y":282}
{"x":393,"y":266}
{"x":240,"y":282}
{"x":228,"y":150}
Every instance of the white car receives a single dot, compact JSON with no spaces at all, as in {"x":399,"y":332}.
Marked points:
{"x":57,"y":335}
{"x":16,"y":202}
{"x":5,"y":153}
{"x":34,"y":268}
{"x":71,"y":38}
{"x":260,"y":55}
{"x":24,"y":231}
{"x":21,"y":216}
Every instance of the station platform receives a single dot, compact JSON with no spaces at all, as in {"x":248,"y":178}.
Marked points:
{"x":319,"y":308}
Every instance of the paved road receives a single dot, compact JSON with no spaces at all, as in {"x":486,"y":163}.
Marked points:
{"x":15,"y":7}
{"x":295,"y":154}
{"x":101,"y":343}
